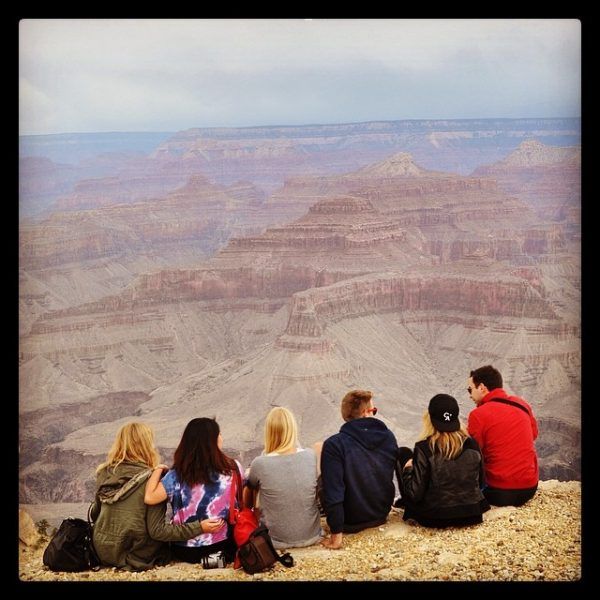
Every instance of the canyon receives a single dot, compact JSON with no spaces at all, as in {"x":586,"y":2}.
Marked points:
{"x":122,"y":168}
{"x":222,"y":298}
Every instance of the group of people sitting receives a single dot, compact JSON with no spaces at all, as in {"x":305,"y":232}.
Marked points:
{"x":450,"y":478}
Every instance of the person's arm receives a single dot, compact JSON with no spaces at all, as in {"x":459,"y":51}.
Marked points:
{"x":415,"y":476}
{"x":162,"y":531}
{"x":534,"y":425}
{"x":252,"y":485}
{"x":249,"y":497}
{"x":155,"y":490}
{"x":476,"y":430}
{"x":95,"y":511}
{"x":471,"y":443}
{"x":318,"y":448}
{"x":334,"y":491}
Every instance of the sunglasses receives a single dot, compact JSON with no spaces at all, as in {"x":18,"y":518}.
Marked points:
{"x":469,"y":389}
{"x":372,"y":410}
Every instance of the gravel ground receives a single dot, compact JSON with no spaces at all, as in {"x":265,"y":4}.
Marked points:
{"x":540,"y":541}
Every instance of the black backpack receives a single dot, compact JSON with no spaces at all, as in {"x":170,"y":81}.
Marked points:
{"x":71,"y":547}
{"x":258,"y":553}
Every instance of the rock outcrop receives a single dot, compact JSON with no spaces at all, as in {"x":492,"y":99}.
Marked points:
{"x":532,"y":153}
{"x":547,"y":178}
{"x":407,"y":193}
{"x":338,"y":224}
{"x":28,"y":533}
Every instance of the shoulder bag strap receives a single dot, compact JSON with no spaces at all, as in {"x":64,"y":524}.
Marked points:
{"x":285,"y":559}
{"x":93,"y":552}
{"x":511,"y":402}
{"x":235,"y":491}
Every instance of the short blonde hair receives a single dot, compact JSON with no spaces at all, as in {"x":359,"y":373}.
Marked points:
{"x":447,"y":443}
{"x":354,"y":402}
{"x":281,"y":430}
{"x":134,"y":443}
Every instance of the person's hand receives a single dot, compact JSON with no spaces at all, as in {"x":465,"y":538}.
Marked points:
{"x":408,"y":463}
{"x":212,"y":525}
{"x":334,"y":542}
{"x":162,"y":467}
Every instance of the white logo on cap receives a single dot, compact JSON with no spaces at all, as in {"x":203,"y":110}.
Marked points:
{"x":447,"y":416}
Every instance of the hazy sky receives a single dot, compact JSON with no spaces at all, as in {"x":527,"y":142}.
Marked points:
{"x":167,"y":75}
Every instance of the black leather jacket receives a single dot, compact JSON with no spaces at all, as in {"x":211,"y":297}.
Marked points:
{"x":436,"y":488}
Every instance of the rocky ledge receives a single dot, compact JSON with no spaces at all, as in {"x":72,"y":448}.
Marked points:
{"x":540,"y":541}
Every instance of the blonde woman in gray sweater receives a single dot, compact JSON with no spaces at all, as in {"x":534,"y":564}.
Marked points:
{"x":286,"y":477}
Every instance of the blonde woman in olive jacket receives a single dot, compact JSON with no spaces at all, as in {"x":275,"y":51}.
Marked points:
{"x":128,"y":533}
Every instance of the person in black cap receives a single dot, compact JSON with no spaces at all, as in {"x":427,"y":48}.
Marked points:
{"x":441,"y":484}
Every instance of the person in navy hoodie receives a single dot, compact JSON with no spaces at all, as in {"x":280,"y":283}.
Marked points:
{"x":505,"y":429}
{"x":357,"y":470}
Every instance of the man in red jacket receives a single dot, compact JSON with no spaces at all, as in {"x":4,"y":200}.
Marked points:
{"x":505,"y":428}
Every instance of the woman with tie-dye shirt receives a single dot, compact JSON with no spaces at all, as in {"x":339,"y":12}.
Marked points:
{"x":198,"y":487}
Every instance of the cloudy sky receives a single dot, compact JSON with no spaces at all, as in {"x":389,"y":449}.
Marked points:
{"x":168,"y":75}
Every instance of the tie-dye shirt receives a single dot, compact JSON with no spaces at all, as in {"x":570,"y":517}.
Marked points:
{"x":202,"y":501}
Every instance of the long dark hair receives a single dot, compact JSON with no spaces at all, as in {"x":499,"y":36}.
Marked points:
{"x":198,"y":457}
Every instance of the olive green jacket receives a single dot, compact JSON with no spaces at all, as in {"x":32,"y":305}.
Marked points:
{"x":128,"y":533}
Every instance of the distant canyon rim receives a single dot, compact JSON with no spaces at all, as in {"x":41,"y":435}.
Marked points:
{"x":221,"y":272}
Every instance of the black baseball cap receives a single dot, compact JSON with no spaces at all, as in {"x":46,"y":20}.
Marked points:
{"x":443,"y":410}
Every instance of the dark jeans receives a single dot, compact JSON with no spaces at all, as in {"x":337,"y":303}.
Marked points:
{"x":499,"y":497}
{"x":348,"y":528}
{"x":192,"y":554}
{"x":355,"y":528}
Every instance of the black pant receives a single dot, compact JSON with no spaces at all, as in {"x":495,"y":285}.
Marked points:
{"x":441,"y":523}
{"x":195,"y":554}
{"x":402,"y":456}
{"x":499,"y":497}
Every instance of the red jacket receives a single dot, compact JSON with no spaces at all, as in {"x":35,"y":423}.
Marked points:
{"x":505,"y":435}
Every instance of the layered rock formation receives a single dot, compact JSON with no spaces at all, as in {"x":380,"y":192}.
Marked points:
{"x":395,"y":278}
{"x":267,"y":155}
{"x":458,"y":217}
{"x":135,"y":180}
{"x":348,"y":229}
{"x":41,"y":181}
{"x":198,"y":215}
{"x":547,"y":178}
{"x":295,"y":317}
{"x":112,"y":168}
{"x":78,"y":256}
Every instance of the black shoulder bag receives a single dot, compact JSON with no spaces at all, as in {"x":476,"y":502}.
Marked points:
{"x":71,"y":547}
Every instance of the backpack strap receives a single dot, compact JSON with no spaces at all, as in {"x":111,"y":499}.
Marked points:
{"x":511,"y":402}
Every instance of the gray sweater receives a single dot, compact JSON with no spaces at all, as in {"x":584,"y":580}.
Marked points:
{"x":288,"y":497}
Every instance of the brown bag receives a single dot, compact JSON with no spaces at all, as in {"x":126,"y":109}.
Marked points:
{"x":258,"y":553}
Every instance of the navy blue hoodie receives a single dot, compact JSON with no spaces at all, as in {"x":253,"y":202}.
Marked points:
{"x":357,"y":470}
